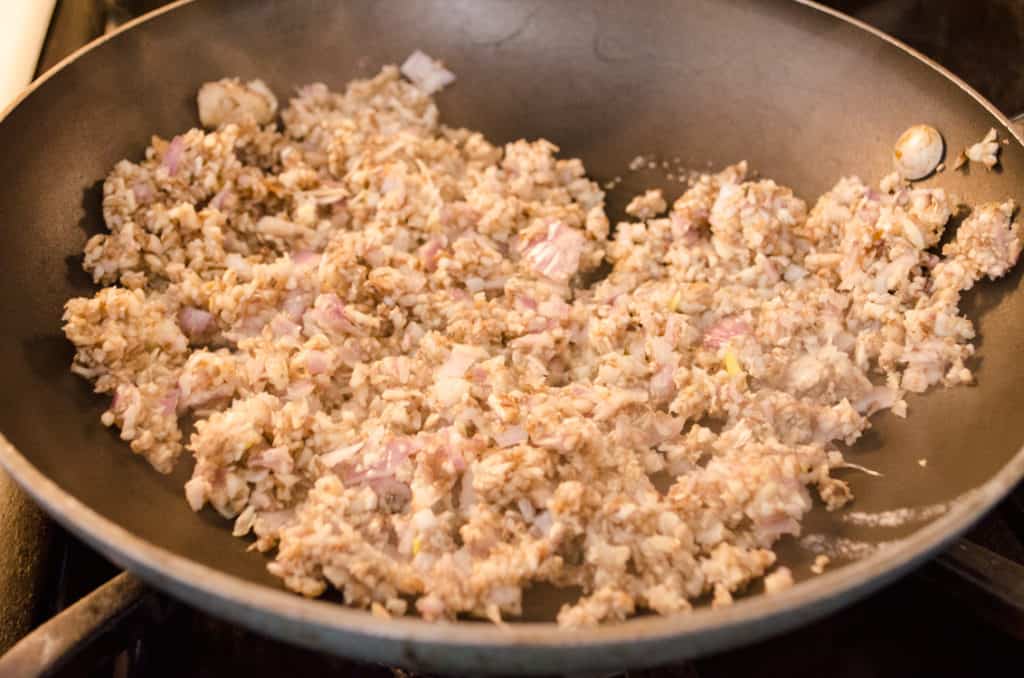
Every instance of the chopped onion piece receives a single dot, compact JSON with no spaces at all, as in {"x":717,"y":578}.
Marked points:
{"x":427,"y":74}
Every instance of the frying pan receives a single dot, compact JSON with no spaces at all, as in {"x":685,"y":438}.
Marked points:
{"x":804,"y":94}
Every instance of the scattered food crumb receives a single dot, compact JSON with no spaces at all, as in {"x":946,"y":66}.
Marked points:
{"x":820,"y":563}
{"x":941,"y":167}
{"x":647,"y":205}
{"x":961,"y":160}
{"x":779,"y":580}
{"x":636,"y":163}
{"x":428,"y":74}
{"x":985,"y":151}
{"x":722,"y":596}
{"x":863,"y":469}
{"x":922,"y":462}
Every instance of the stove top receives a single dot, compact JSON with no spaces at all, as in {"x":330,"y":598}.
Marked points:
{"x":933,"y":623}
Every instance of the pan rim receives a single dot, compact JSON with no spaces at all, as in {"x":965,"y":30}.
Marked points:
{"x":257,"y":605}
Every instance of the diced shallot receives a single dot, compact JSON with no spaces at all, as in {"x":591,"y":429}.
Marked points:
{"x":396,"y":451}
{"x":330,"y":313}
{"x":195,"y":322}
{"x":306,"y":258}
{"x":217,"y":201}
{"x":459,"y":361}
{"x":878,"y":398}
{"x":662,"y":350}
{"x":554,"y":308}
{"x":393,"y":494}
{"x":143,"y":193}
{"x":173,"y":155}
{"x":722,"y":331}
{"x":557,"y":254}
{"x":663,"y":385}
{"x":513,"y":435}
{"x":340,"y":455}
{"x":429,"y":253}
{"x":276,"y":459}
{"x":169,"y":403}
{"x":427,"y":74}
{"x":317,"y":362}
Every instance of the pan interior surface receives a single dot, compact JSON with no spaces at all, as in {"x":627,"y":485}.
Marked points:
{"x":804,"y":97}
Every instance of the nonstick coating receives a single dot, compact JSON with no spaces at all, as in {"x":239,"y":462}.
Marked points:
{"x":805,"y":96}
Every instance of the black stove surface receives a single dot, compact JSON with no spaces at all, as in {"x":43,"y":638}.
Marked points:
{"x":928,"y":624}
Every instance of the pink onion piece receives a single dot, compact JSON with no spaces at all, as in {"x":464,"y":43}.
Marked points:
{"x":217,"y":201}
{"x":526,"y":302}
{"x":306,"y":258}
{"x":554,"y":308}
{"x":195,"y":322}
{"x":719,"y":334}
{"x":300,"y":389}
{"x":684,"y":229}
{"x":329,"y":313}
{"x":173,"y":155}
{"x":459,"y":360}
{"x":557,"y":254}
{"x":169,"y":403}
{"x":317,"y":362}
{"x":283,"y":327}
{"x":394,"y":494}
{"x":429,"y":253}
{"x":457,"y":460}
{"x":426,"y":73}
{"x":662,"y":350}
{"x":276,"y":459}
{"x":143,"y":193}
{"x":770,"y":270}
{"x":117,"y":403}
{"x":295,"y":303}
{"x":399,"y":449}
{"x":513,"y":435}
{"x":663,"y":385}
{"x":396,"y":451}
{"x":878,"y":398}
{"x":340,"y":455}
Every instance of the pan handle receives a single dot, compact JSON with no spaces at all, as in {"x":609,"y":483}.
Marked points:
{"x":991,"y":585}
{"x":57,"y":641}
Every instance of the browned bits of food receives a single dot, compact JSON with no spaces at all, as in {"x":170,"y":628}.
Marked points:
{"x":984,"y":152}
{"x":401,"y":386}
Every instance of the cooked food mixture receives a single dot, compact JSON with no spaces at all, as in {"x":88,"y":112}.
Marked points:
{"x":400,"y":369}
